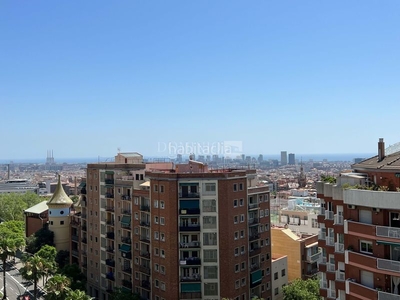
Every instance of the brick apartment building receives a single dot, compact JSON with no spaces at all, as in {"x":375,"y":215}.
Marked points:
{"x":168,"y":231}
{"x":360,"y":231}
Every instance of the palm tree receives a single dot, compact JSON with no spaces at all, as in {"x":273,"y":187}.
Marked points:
{"x":34,"y":268}
{"x":10,"y":242}
{"x":77,"y":295}
{"x":57,"y":287}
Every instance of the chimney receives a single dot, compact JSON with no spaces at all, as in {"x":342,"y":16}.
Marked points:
{"x":381,"y":149}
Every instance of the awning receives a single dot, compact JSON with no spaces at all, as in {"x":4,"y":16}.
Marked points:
{"x":388,"y":243}
{"x":126,"y":220}
{"x":125,"y":248}
{"x":256,"y":276}
{"x":312,"y":245}
{"x":190,"y":287}
{"x":146,"y":183}
{"x":82,"y":185}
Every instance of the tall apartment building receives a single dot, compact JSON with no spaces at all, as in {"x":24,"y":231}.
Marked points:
{"x":284,"y":158}
{"x":360,"y":231}
{"x":168,"y":231}
{"x":292,"y":159}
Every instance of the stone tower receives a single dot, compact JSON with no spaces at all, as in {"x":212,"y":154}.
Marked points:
{"x":59,"y":214}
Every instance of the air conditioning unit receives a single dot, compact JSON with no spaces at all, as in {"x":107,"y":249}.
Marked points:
{"x":376,"y":209}
{"x":351,"y":206}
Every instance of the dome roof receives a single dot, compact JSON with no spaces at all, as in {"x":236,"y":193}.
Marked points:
{"x":60,"y":197}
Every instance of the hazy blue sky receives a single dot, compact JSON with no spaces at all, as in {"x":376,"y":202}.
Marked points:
{"x":86,"y":77}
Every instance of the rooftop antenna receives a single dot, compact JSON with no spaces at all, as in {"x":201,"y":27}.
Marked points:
{"x":119,"y":150}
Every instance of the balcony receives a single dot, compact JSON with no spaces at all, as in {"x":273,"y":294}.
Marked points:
{"x":322,"y":211}
{"x":323,"y":284}
{"x":109,"y":195}
{"x":83,"y":191}
{"x":321,"y":235}
{"x":110,"y":276}
{"x":387,"y":296}
{"x":254,"y":267}
{"x":145,"y":223}
{"x":388,"y":265}
{"x":312,"y":272}
{"x":353,"y":288}
{"x":189,"y":227}
{"x":75,"y":253}
{"x":109,"y":181}
{"x":145,"y":254}
{"x":126,"y":211}
{"x":192,"y":278}
{"x":328,"y":215}
{"x":110,"y":208}
{"x":75,"y":238}
{"x":255,"y":251}
{"x":84,"y":240}
{"x":190,"y":295}
{"x":84,"y":228}
{"x":338,"y":219}
{"x":127,"y":270}
{"x":253,"y":205}
{"x":110,"y":262}
{"x":144,"y":208}
{"x":145,"y":239}
{"x":110,"y":235}
{"x":110,"y":223}
{"x":126,"y":240}
{"x":331,"y":293}
{"x":330,"y":267}
{"x":322,"y":260}
{"x":339,"y":247}
{"x":127,"y":284}
{"x":194,"y":244}
{"x":253,"y":221}
{"x":126,"y":197}
{"x":330,"y":241}
{"x":145,"y":284}
{"x":388,"y":232}
{"x":340,"y":276}
{"x":189,"y":195}
{"x":189,"y":211}
{"x":190,"y":261}
{"x":313,"y":257}
{"x":253,"y":237}
{"x":144,"y":269}
{"x":110,"y":250}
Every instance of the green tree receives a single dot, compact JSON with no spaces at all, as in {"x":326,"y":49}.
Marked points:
{"x":302,"y":289}
{"x":77,"y":295}
{"x":62,"y":258}
{"x":121,"y":294}
{"x":48,"y":253}
{"x":57,"y":287}
{"x":35,"y":267}
{"x":74,"y":273}
{"x":12,"y":205}
{"x":31,"y":244}
{"x":11,"y":240}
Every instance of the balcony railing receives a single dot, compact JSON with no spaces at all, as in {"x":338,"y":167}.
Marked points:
{"x":110,"y":262}
{"x":338,"y":219}
{"x":253,"y":221}
{"x":322,"y":236}
{"x":110,"y":208}
{"x":313,"y":257}
{"x":127,"y":270}
{"x":330,"y":267}
{"x":110,"y":276}
{"x":339,"y":247}
{"x":328,"y":215}
{"x":254,"y":267}
{"x":193,"y":277}
{"x":388,"y":265}
{"x":189,"y":211}
{"x":253,"y":205}
{"x":387,"y":296}
{"x":126,"y":197}
{"x":189,"y":227}
{"x":390,"y":232}
{"x":340,"y":275}
{"x":145,"y":238}
{"x":145,"y":284}
{"x":190,"y":261}
{"x":189,"y":195}
{"x":330,"y":241}
{"x":75,"y":253}
{"x":323,"y":284}
{"x":144,"y":207}
{"x":110,"y":250}
{"x":190,"y":295}
{"x":253,"y":237}
{"x":84,"y":240}
{"x":75,"y":238}
{"x":145,"y":254}
{"x":110,"y":235}
{"x":126,"y":240}
{"x":109,"y":181}
{"x":145,"y":223}
{"x":331,"y":293}
{"x":126,"y":211}
{"x":322,"y":211}
{"x":109,"y":222}
{"x":109,"y":195}
{"x":255,"y":251}
{"x":127,"y":284}
{"x":144,"y":269}
{"x":190,"y":245}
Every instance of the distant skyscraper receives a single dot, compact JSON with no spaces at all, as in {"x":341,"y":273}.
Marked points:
{"x":283,"y":158}
{"x":358,"y":160}
{"x":292,"y":159}
{"x":260,"y":158}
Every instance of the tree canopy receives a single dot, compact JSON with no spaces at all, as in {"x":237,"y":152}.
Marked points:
{"x":77,"y":278}
{"x":12,"y":205}
{"x":302,"y":289}
{"x":42,"y":237}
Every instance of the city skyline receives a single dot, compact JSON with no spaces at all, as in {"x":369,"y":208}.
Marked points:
{"x":88,"y":78}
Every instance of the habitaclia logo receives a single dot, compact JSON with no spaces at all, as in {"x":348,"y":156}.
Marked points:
{"x":225,"y":148}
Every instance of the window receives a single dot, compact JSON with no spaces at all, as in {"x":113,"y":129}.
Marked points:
{"x":210,"y":272}
{"x":260,"y":198}
{"x":236,"y":268}
{"x":136,"y":230}
{"x":156,"y":283}
{"x":156,"y":188}
{"x":156,"y":235}
{"x":162,"y":253}
{"x":366,"y":246}
{"x":209,"y":188}
{"x":266,"y":227}
{"x":156,"y":267}
{"x":276,"y":291}
{"x":236,"y":251}
{"x":261,"y":214}
{"x":283,"y":272}
{"x":242,"y":250}
{"x":137,"y":275}
{"x":262,"y":258}
{"x":209,"y":206}
{"x":162,"y":221}
{"x":162,"y":286}
{"x":235,"y":187}
{"x":209,"y":222}
{"x":240,"y":186}
{"x":267,"y":256}
{"x":276,"y":275}
{"x":261,"y":228}
{"x":136,"y":216}
{"x":210,"y":239}
{"x":237,"y":284}
{"x":161,"y":189}
{"x":162,"y":269}
{"x":267,"y":241}
{"x":241,"y":218}
{"x":243,"y":281}
{"x":262,"y":288}
{"x":236,"y":235}
{"x":235,"y":219}
{"x":136,"y":200}
{"x":268,"y":286}
{"x":210,"y":255}
{"x":266,"y":212}
{"x":235,"y":203}
{"x":162,"y":237}
{"x":156,"y":220}
{"x":156,"y":251}
{"x":241,"y":202}
{"x":241,"y":234}
{"x":162,"y":204}
{"x":61,"y":222}
{"x":243,"y":265}
{"x":156,"y":203}
{"x":266,"y":198}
